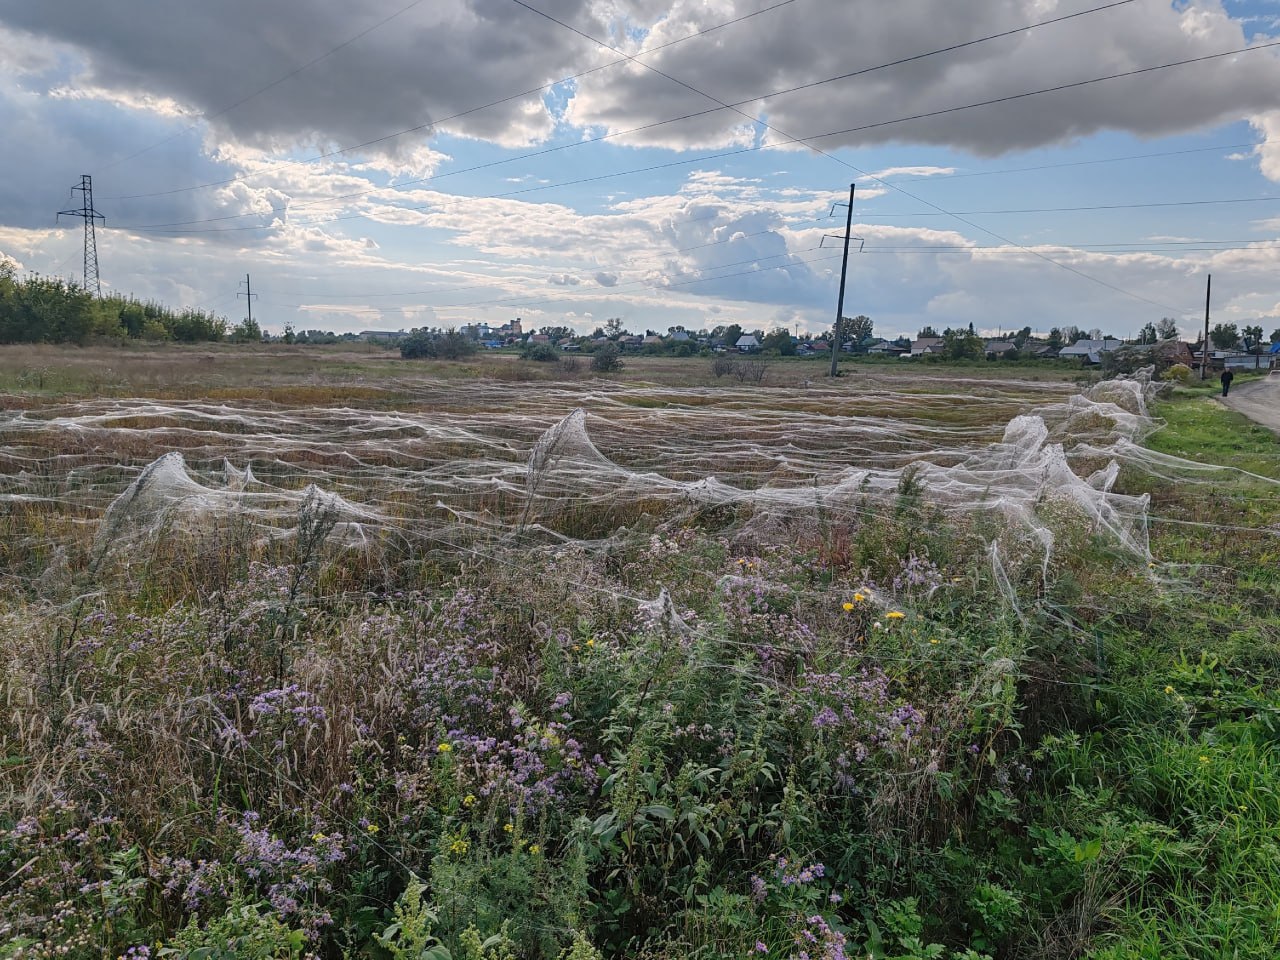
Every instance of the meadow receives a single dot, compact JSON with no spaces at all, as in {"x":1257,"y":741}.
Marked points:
{"x":315,"y":652}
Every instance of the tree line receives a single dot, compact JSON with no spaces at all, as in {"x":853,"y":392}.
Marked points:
{"x":39,"y":309}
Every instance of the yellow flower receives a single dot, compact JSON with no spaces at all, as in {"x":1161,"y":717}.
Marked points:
{"x":591,"y":642}
{"x":459,"y":847}
{"x":1168,"y":689}
{"x":469,"y":799}
{"x":933,"y":639}
{"x":372,"y":828}
{"x":318,"y":838}
{"x":507,"y":828}
{"x":1203,"y":758}
{"x":895,"y":615}
{"x":847,"y":606}
{"x":444,"y":748}
{"x":535,"y":849}
{"x":859,"y":597}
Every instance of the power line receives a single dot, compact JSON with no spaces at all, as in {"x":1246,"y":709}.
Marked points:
{"x":789,"y":138}
{"x":595,"y":266}
{"x":275,"y":83}
{"x":172,"y":227}
{"x":435,"y":123}
{"x":805,"y":140}
{"x":653,"y":283}
{"x":943,"y":177}
{"x":1081,"y":209}
{"x":648,"y":126}
{"x":1035,"y":93}
{"x":809,"y":141}
{"x":1191,"y":245}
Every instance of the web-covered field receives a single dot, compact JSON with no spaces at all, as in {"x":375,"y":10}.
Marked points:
{"x":444,"y":463}
{"x":655,"y":666}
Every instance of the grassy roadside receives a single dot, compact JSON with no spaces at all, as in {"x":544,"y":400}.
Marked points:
{"x":1201,"y":429}
{"x":1173,"y":786}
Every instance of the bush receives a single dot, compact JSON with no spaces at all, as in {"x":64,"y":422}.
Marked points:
{"x":436,"y":345}
{"x":723,"y":364}
{"x":540,"y":353}
{"x":608,"y":359}
{"x":1179,"y":372}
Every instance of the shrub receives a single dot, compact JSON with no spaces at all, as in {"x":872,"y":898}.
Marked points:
{"x":723,"y":364}
{"x":434,"y":344}
{"x":540,"y":353}
{"x":608,"y":359}
{"x":1179,"y":372}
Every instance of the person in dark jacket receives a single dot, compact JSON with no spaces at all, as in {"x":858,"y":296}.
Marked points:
{"x":1227,"y":377}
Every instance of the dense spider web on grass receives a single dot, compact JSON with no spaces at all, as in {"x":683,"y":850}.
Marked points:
{"x":485,"y":461}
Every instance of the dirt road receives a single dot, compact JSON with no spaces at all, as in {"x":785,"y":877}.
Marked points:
{"x":1259,"y":401}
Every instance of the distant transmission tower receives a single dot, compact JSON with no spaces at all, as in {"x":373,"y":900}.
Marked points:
{"x":89,"y":215}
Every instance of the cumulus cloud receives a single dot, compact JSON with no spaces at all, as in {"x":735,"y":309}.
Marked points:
{"x":607,"y":279}
{"x":231,"y":62}
{"x":763,"y":56}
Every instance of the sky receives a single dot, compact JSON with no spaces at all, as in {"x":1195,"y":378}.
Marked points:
{"x":401,"y":163}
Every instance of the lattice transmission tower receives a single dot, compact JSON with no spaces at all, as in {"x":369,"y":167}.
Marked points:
{"x":90,"y":216}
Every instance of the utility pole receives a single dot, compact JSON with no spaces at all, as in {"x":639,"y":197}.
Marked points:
{"x":844,"y":272}
{"x":90,"y":216}
{"x":1204,"y":355}
{"x":249,"y":296}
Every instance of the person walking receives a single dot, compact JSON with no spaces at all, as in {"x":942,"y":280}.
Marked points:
{"x":1227,"y":377}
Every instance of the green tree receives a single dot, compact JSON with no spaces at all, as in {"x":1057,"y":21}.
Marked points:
{"x":1225,"y":336}
{"x":927,"y":331}
{"x":1055,"y":338}
{"x":963,"y":345}
{"x":247,"y":331}
{"x":1167,"y":328}
{"x":1253,"y":338}
{"x":857,"y":329}
{"x":732,"y":333}
{"x":780,"y":342}
{"x":1148,"y":334}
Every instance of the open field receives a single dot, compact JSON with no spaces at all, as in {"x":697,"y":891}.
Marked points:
{"x":493,"y":660}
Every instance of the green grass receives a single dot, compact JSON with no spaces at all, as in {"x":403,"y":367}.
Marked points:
{"x":1200,"y":429}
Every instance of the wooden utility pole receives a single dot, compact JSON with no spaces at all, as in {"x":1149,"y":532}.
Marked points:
{"x":1204,"y":354}
{"x":248,"y":296}
{"x":844,"y":272}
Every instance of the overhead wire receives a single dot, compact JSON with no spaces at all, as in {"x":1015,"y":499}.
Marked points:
{"x":275,"y":83}
{"x":790,"y":139}
{"x":586,"y":141}
{"x":944,"y":177}
{"x":1095,"y":207}
{"x":435,"y":123}
{"x":808,"y":141}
